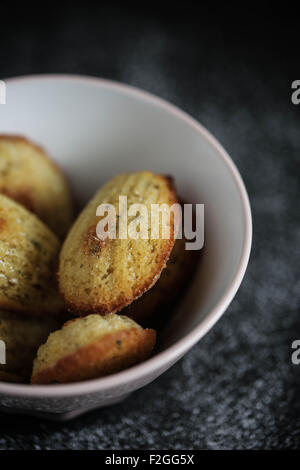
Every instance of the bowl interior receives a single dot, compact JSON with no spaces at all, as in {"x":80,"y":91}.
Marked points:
{"x":95,"y":129}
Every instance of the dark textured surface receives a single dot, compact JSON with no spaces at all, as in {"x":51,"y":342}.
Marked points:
{"x":237,"y":388}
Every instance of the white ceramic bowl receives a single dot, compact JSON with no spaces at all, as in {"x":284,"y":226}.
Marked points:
{"x":95,"y":129}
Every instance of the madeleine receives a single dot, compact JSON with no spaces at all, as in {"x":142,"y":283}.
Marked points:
{"x":28,"y":262}
{"x":28,"y":176}
{"x":90,"y":347}
{"x":22,"y":336}
{"x":103,"y":276}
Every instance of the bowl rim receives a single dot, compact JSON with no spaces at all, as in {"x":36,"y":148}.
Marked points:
{"x":180,"y":347}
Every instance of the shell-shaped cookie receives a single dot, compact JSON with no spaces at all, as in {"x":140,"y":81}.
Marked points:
{"x":90,"y":347}
{"x":28,"y":262}
{"x":103,"y":276}
{"x":29,"y":177}
{"x":22,"y":336}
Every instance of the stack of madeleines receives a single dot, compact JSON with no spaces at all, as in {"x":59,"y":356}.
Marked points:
{"x":51,"y":270}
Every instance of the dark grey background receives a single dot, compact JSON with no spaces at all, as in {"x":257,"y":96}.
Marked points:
{"x":237,"y":388}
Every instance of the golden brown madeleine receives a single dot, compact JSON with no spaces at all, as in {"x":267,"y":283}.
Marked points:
{"x":90,"y":347}
{"x":22,"y":336}
{"x":152,"y":308}
{"x":28,"y":262}
{"x":29,"y":177}
{"x":104,"y":276}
